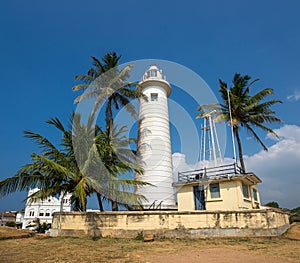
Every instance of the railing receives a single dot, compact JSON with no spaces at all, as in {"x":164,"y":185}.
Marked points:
{"x":152,"y":206}
{"x":222,"y":171}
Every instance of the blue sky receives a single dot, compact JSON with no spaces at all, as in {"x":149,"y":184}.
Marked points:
{"x":43,"y":45}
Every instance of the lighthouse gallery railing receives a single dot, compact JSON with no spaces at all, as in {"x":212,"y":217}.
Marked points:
{"x":222,"y":171}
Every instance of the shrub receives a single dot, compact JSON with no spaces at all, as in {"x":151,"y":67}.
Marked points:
{"x":10,"y":224}
{"x":272,"y":204}
{"x":140,"y":236}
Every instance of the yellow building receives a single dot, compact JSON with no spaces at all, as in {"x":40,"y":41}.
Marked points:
{"x":221,"y":188}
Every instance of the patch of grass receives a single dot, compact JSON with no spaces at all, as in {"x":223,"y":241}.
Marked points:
{"x":13,"y":233}
{"x":67,"y":249}
{"x":140,"y":236}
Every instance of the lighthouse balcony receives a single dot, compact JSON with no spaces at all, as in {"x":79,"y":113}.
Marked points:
{"x":223,"y":171}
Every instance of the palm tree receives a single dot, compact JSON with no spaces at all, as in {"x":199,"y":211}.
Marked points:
{"x":118,"y":159}
{"x":106,"y":83}
{"x":67,"y":170}
{"x":246,"y":111}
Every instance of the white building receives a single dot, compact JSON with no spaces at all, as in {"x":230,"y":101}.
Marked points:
{"x":43,"y":209}
{"x":20,"y":218}
{"x":154,"y":145}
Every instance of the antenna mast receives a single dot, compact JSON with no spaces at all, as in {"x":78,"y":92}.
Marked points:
{"x":211,"y":141}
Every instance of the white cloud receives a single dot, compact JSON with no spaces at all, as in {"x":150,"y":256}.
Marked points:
{"x":279,"y":168}
{"x":295,"y":96}
{"x":180,"y":164}
{"x":290,"y":132}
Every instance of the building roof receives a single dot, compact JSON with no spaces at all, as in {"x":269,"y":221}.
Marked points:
{"x":213,"y":174}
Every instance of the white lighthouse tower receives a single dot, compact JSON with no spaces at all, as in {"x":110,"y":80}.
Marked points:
{"x":154,"y":146}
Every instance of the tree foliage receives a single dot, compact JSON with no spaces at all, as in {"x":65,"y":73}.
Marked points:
{"x":272,"y":204}
{"x":78,"y":165}
{"x":108,"y":85}
{"x":247,"y":111}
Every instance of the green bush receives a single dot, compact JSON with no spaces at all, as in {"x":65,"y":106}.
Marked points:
{"x":272,"y":204}
{"x":10,"y":224}
{"x":140,"y":236}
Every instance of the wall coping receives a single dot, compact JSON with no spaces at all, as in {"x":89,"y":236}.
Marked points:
{"x":168,"y":212}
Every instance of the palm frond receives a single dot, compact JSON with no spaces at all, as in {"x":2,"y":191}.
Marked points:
{"x":256,"y":136}
{"x":84,"y":78}
{"x":57,"y":123}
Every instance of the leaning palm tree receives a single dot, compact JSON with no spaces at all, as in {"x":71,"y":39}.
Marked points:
{"x":65,"y":169}
{"x":240,"y":109}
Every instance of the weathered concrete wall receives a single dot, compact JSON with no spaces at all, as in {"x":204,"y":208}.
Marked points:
{"x":171,"y":223}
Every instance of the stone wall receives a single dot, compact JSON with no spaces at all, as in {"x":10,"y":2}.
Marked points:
{"x":172,"y":224}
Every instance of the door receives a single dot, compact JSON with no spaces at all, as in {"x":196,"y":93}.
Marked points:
{"x":199,"y":197}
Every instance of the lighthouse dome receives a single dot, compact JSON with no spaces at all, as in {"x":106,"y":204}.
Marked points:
{"x":153,"y":77}
{"x":154,"y":73}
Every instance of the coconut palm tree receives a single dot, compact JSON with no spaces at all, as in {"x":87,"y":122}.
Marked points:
{"x":108,"y":84}
{"x":66,"y":169}
{"x":118,"y":159}
{"x":247,"y":111}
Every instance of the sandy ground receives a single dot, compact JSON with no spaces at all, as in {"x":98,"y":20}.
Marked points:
{"x":231,"y":254}
{"x":41,"y":248}
{"x":223,"y":255}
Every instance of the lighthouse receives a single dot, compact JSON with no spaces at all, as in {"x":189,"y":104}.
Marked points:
{"x":154,"y":145}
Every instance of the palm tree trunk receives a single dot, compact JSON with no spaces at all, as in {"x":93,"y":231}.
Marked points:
{"x":109,"y":124}
{"x":100,"y":202}
{"x":83,"y":205}
{"x":114,"y":205}
{"x":236,"y":133}
{"x":109,"y":117}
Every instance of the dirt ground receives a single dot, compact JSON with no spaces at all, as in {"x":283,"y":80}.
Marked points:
{"x":41,"y":248}
{"x":264,"y":251}
{"x":219,"y":254}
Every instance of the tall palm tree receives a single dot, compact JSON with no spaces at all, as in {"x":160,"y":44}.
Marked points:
{"x":108,"y":84}
{"x":65,"y":169}
{"x":247,"y":111}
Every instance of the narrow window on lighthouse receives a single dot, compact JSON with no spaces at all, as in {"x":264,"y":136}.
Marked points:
{"x":154,"y":96}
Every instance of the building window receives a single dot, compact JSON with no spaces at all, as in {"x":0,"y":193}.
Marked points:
{"x":245,"y":191}
{"x":41,"y":213}
{"x":255,"y":195}
{"x":154,"y":96}
{"x":153,"y":73}
{"x":214,"y":190}
{"x":47,"y":213}
{"x":31,"y":213}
